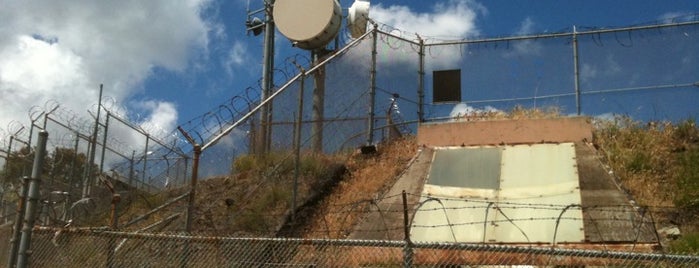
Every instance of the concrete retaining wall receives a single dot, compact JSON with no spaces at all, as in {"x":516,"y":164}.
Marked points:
{"x":519,"y":131}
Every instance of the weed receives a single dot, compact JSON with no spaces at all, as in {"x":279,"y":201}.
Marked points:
{"x":688,"y":181}
{"x":244,"y":163}
{"x":518,"y":112}
{"x":368,"y":177}
{"x":687,"y":244}
{"x":687,"y":131}
{"x":642,"y":156}
{"x":258,"y":218}
{"x":263,"y":187}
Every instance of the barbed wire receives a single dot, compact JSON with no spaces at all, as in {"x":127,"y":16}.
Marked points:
{"x":166,"y":162}
{"x":4,"y":138}
{"x":211,"y":249}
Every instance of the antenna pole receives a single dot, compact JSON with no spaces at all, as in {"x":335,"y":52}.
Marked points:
{"x":372,"y":89}
{"x":318,"y":101}
{"x":267,"y":78}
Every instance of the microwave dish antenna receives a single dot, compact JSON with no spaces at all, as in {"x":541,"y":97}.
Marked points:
{"x":358,"y":17}
{"x":309,"y":24}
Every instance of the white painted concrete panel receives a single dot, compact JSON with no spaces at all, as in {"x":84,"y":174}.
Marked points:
{"x":538,"y":183}
{"x":538,"y":165}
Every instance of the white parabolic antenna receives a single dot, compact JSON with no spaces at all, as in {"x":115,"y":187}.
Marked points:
{"x":309,"y":24}
{"x":357,"y":18}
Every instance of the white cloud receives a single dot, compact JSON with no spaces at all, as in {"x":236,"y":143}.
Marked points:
{"x":527,"y":47}
{"x":453,"y":19}
{"x":676,"y":17}
{"x":605,"y":117}
{"x":587,"y":72}
{"x":526,"y":27}
{"x":237,"y":57}
{"x":612,"y":66}
{"x":33,"y":72}
{"x":161,"y":115}
{"x":608,"y":68}
{"x":64,"y":50}
{"x":462,"y":110}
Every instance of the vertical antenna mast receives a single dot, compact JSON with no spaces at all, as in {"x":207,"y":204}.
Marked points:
{"x":255,"y":25}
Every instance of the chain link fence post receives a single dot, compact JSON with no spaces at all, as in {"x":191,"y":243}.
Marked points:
{"x":16,"y":233}
{"x":32,"y":199}
{"x":421,"y":82}
{"x":408,"y":248}
{"x":190,"y":203}
{"x":114,"y":224}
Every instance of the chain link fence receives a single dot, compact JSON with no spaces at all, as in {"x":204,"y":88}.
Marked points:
{"x":87,"y":160}
{"x":372,"y":89}
{"x":95,"y":248}
{"x":344,"y":100}
{"x":383,"y":242}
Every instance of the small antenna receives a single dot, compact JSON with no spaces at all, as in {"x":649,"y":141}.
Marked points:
{"x":254,"y":24}
{"x":357,"y":18}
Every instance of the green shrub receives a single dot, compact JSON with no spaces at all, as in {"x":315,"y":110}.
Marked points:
{"x":686,"y":244}
{"x":648,"y":158}
{"x":277,"y":164}
{"x":688,"y":181}
{"x":687,"y":131}
{"x":244,"y":163}
{"x":639,"y":162}
{"x":260,"y":217}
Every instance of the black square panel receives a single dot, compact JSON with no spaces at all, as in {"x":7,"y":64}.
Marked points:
{"x":446,"y":86}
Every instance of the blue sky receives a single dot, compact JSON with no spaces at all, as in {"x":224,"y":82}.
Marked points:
{"x":166,"y":62}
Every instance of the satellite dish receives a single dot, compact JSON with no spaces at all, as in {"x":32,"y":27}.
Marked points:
{"x":309,"y":24}
{"x":357,"y":18}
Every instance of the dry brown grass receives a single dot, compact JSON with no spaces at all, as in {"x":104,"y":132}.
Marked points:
{"x":252,"y":202}
{"x":658,"y":163}
{"x":257,"y":199}
{"x":369,"y":176}
{"x":518,"y":112}
{"x":646,"y":157}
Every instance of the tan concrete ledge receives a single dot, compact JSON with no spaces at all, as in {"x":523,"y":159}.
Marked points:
{"x":508,"y":131}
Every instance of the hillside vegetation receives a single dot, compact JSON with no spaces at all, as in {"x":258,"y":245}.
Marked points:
{"x":657,"y":163}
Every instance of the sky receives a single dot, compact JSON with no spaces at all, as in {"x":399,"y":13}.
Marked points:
{"x":165,"y":62}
